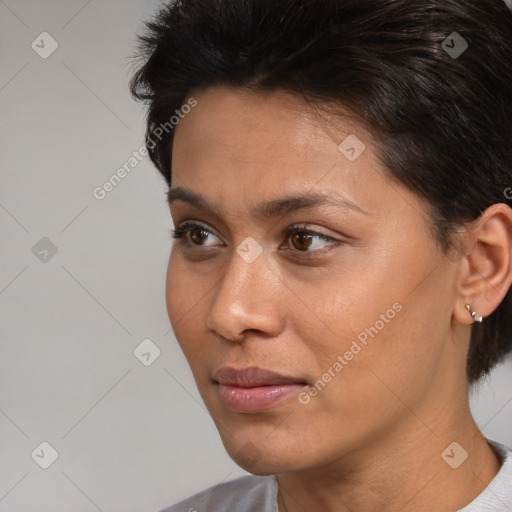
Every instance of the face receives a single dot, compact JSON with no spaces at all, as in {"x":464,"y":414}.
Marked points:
{"x":304,"y":287}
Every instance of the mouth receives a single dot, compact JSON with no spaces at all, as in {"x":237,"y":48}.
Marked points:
{"x":254,"y":389}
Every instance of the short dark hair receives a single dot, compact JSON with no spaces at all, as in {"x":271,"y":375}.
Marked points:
{"x":442,"y":119}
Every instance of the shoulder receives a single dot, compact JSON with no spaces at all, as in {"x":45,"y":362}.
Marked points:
{"x":245,"y":494}
{"x":497,"y":496}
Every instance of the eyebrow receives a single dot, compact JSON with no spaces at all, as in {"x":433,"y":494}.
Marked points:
{"x":270,"y":209}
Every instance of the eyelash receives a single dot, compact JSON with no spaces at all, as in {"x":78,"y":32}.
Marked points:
{"x":183,"y":229}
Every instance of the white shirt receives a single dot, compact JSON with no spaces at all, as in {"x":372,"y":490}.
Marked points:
{"x":259,"y":493}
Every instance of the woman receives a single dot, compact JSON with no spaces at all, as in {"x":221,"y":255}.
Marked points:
{"x":341,"y":196}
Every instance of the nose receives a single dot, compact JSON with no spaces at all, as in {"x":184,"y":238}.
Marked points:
{"x":246,"y":300}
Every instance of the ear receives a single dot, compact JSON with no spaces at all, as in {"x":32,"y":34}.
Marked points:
{"x":486,"y":268}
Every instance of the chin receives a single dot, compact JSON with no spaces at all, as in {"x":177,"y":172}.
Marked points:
{"x":262,"y":467}
{"x":259,"y":443}
{"x":260,"y":457}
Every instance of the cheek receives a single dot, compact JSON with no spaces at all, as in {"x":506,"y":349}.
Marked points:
{"x":390,"y":352}
{"x":174,"y":293}
{"x":185,"y":299}
{"x":381,"y":331}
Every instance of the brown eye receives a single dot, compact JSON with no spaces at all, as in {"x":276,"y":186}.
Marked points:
{"x":194,"y":235}
{"x":198,"y":236}
{"x":301,"y":241}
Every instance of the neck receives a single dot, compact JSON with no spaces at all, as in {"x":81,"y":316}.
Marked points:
{"x":400,"y":470}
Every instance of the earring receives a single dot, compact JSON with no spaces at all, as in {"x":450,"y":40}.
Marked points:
{"x":476,"y":318}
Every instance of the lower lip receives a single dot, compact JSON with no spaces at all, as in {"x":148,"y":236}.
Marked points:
{"x":256,"y":399}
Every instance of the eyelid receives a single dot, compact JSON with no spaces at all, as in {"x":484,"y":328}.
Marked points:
{"x":303,"y":228}
{"x":188,"y":224}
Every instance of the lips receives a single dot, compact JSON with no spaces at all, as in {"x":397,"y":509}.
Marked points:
{"x":254,"y":389}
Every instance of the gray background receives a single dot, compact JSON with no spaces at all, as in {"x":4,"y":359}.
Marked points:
{"x":129,"y":437}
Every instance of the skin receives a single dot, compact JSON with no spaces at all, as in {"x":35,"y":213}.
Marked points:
{"x":372,"y":438}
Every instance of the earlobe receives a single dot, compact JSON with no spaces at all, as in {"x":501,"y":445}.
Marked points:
{"x":474,"y":314}
{"x":487,"y":267}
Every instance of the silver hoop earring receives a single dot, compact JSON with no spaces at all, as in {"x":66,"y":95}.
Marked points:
{"x":476,"y":318}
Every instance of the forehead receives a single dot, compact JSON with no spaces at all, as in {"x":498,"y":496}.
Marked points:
{"x":240,"y":148}
{"x":278,"y":118}
{"x":272,"y":133}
